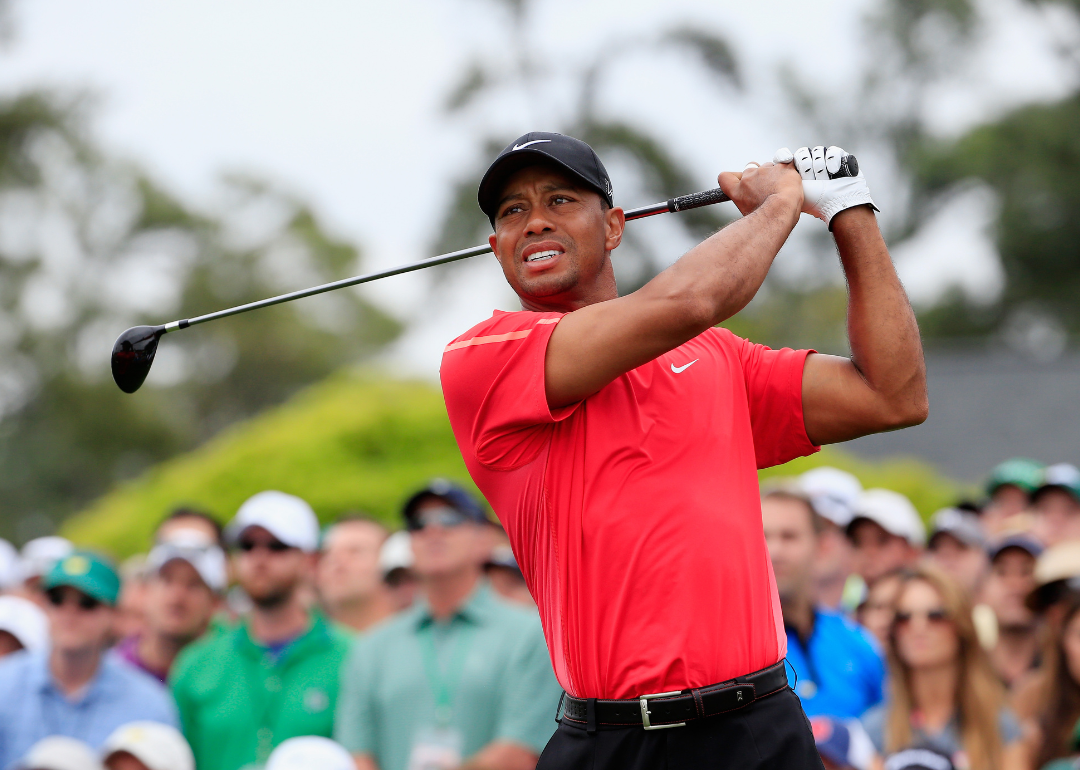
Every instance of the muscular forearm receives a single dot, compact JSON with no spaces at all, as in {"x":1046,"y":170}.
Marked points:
{"x":885,"y":344}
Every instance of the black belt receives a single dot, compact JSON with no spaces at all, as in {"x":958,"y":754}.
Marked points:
{"x":675,"y":709}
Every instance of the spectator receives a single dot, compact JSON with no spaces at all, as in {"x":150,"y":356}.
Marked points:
{"x":275,"y":674}
{"x":958,"y":547}
{"x":876,"y":612}
{"x":837,"y":664}
{"x":310,"y":753}
{"x":131,"y":606}
{"x":886,"y":532}
{"x":184,"y":584}
{"x":1010,"y":580}
{"x":1009,"y":487}
{"x":505,"y":576}
{"x":463,"y":674}
{"x":147,"y":746}
{"x":843,"y":744}
{"x":834,"y":494}
{"x":190,"y":522}
{"x":10,"y":573}
{"x":1060,"y":690}
{"x":349,"y":578}
{"x":1056,"y":505}
{"x":23,"y":626}
{"x":943,"y":695}
{"x":36,"y":558}
{"x":58,"y":752}
{"x":396,"y":560}
{"x":918,"y":759}
{"x":75,"y":689}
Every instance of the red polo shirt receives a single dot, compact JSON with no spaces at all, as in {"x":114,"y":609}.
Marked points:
{"x":635,"y":514}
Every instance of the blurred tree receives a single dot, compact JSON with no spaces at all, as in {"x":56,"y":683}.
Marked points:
{"x":90,"y":246}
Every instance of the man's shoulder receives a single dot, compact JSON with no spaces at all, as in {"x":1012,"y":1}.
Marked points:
{"x":501,"y":323}
{"x":130,"y":681}
{"x":208,"y":651}
{"x":838,"y":628}
{"x":16,"y":670}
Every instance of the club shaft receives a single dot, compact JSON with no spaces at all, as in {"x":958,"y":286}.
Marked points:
{"x":682,"y":203}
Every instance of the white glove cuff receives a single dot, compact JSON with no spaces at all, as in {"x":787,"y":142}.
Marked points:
{"x":835,"y":205}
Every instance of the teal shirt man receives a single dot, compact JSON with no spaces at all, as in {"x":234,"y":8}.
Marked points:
{"x":488,"y":664}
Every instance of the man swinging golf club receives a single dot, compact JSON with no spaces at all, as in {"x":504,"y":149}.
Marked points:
{"x":618,"y":439}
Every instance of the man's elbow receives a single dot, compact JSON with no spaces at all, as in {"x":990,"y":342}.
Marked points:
{"x":906,"y":413}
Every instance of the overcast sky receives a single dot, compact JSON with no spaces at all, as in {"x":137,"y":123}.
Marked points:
{"x":340,"y":101}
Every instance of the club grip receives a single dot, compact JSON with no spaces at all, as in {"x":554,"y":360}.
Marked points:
{"x":696,"y":200}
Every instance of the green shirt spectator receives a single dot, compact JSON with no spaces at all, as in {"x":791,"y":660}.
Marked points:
{"x":489,"y":659}
{"x":239,"y":699}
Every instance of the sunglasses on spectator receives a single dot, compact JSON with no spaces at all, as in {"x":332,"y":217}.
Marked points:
{"x":932,"y":616}
{"x":82,"y":601}
{"x":444,"y":517}
{"x":273,"y":546}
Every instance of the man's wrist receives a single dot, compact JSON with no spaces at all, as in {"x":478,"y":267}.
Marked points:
{"x":856,"y":217}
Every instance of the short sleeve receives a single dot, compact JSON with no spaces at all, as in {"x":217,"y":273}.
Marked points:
{"x":774,"y":394}
{"x":493,"y":384}
{"x":354,"y":722}
{"x":530,"y":694}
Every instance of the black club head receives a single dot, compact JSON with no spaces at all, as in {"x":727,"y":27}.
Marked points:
{"x":133,"y":354}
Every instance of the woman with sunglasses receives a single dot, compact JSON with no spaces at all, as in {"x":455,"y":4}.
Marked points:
{"x":943,"y":695}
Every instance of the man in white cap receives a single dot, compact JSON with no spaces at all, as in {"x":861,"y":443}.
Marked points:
{"x":833,"y":494}
{"x":23,"y":626}
{"x":147,"y":746}
{"x":59,"y":752}
{"x":1056,"y":505}
{"x":886,"y":532}
{"x":36,"y":559}
{"x":185,"y":578}
{"x":275,"y":675}
{"x":310,"y":752}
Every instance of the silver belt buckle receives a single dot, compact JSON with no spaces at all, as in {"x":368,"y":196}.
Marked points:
{"x":643,"y":701}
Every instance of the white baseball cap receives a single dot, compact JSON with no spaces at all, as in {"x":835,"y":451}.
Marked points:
{"x":396,"y":552}
{"x":25,"y":621}
{"x":58,"y":752}
{"x":309,"y":752}
{"x":40,"y":554}
{"x":286,"y":517}
{"x":208,"y":560}
{"x":158,"y":746}
{"x":833,"y":493}
{"x":10,"y":574}
{"x":893,"y":512}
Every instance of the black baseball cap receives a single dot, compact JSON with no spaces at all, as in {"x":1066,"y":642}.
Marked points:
{"x":538,"y":147}
{"x":450,"y":493}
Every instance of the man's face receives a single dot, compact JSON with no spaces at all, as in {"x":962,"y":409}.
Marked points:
{"x":965,"y":563}
{"x":1007,"y":500}
{"x":269,"y":571}
{"x":1011,"y":578}
{"x":179,"y":604}
{"x":122,"y":760}
{"x":440,"y":549}
{"x":186,"y":526}
{"x":792,"y":543}
{"x":348,"y":568}
{"x":877,"y":552}
{"x":552,"y":237}
{"x":77,"y":622}
{"x":1057,"y":517}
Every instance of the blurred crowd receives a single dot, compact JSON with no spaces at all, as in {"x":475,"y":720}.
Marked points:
{"x":274,"y":644}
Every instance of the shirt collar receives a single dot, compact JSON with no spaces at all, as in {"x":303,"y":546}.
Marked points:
{"x":317,"y":632}
{"x":41,"y":678}
{"x":476,"y":608}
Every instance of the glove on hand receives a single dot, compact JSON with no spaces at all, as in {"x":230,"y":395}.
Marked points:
{"x":829,"y":186}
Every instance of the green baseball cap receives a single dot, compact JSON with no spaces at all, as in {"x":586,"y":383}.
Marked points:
{"x":86,"y":572}
{"x":1019,"y":472}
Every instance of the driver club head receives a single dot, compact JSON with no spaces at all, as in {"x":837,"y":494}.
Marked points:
{"x":133,"y":354}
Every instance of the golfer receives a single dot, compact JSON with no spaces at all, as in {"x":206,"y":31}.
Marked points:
{"x":618,"y":440}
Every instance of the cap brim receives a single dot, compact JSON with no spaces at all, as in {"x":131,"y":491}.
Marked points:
{"x":507,"y":165}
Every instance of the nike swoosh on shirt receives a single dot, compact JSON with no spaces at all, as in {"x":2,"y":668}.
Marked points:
{"x":526,"y":144}
{"x":684,"y":367}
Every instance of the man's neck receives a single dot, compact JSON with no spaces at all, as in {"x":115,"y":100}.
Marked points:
{"x":72,"y":670}
{"x":271,"y":625}
{"x":363,"y":612}
{"x":830,"y":589}
{"x":798,"y":614}
{"x":158,"y":651}
{"x":1015,"y":652}
{"x":933,"y":694}
{"x":446,"y":593}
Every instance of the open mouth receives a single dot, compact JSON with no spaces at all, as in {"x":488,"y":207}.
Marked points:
{"x":542,"y":256}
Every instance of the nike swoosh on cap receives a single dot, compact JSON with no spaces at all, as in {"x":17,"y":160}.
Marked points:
{"x":526,"y":144}
{"x":684,"y":367}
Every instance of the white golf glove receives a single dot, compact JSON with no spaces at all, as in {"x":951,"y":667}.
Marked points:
{"x":828,"y":186}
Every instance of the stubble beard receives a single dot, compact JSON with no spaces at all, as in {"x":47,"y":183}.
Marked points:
{"x":272,"y":599}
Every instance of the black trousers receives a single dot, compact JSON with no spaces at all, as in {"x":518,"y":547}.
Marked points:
{"x":769,"y":733}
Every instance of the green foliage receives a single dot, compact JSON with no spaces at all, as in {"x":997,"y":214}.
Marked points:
{"x":352,"y":442}
{"x":359,"y":442}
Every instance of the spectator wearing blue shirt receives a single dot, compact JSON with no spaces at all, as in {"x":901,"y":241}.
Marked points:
{"x":838,"y":664}
{"x":76,"y":689}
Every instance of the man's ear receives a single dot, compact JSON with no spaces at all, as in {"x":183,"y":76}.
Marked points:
{"x":615,"y":223}
{"x":493,"y":242}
